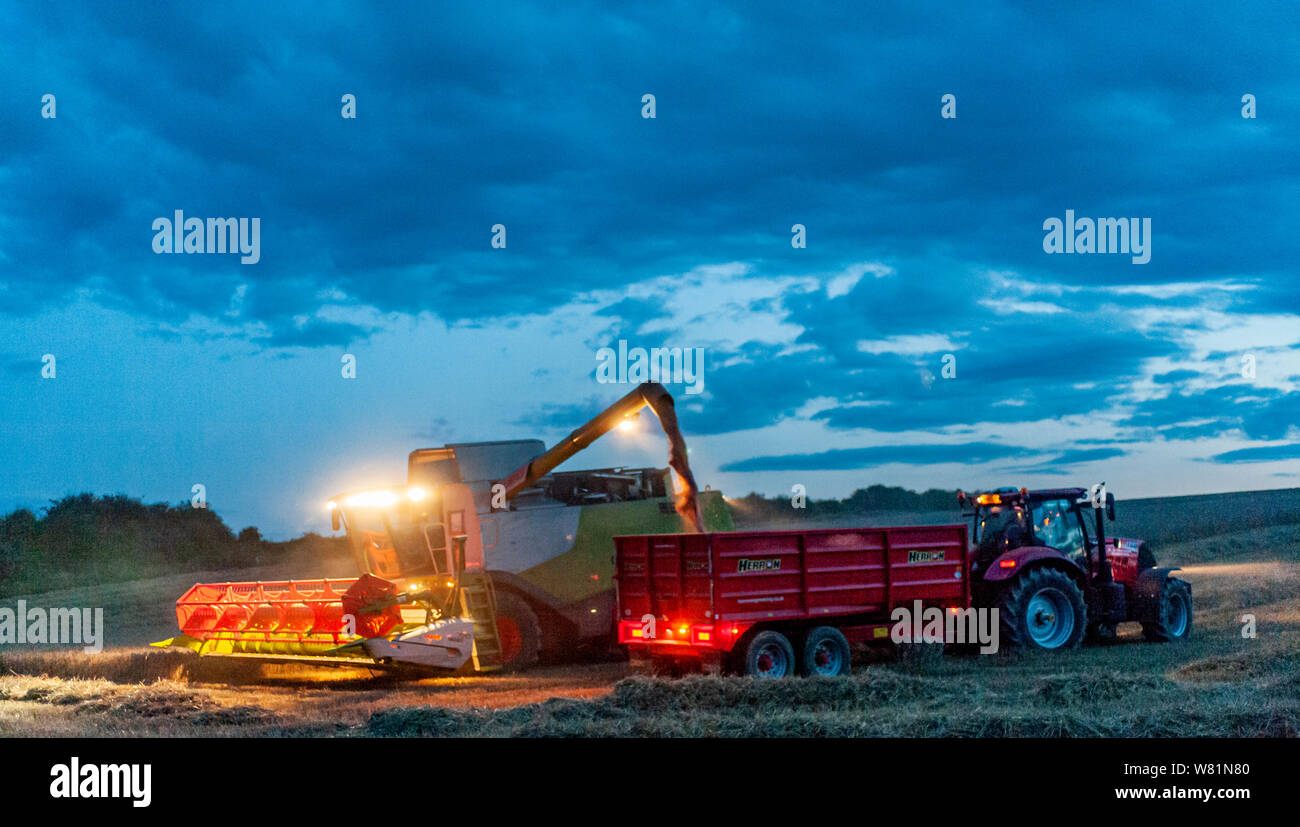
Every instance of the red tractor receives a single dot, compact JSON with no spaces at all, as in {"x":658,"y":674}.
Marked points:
{"x":1056,"y":578}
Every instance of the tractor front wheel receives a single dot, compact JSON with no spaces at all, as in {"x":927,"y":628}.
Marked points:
{"x":1043,"y":609}
{"x":1174,"y":615}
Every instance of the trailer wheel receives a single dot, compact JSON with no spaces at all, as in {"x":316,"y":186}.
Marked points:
{"x":825,"y":652}
{"x":519,"y":631}
{"x":769,"y":655}
{"x":1174,"y":618}
{"x":1043,"y":609}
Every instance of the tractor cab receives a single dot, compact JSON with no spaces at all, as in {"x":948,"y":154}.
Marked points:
{"x":1011,"y":518}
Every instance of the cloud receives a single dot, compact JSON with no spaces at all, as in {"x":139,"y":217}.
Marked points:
{"x":592,"y":195}
{"x":840,"y":459}
{"x":1063,"y":463}
{"x":1263,"y":453}
{"x":1258,"y":412}
{"x":924,"y":235}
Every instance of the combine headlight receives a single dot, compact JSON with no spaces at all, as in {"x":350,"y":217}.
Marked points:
{"x":372,"y":499}
{"x":415,"y":494}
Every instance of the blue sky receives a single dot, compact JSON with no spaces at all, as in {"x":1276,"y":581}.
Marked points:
{"x":823,"y":365}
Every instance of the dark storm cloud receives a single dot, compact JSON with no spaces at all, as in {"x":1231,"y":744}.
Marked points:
{"x":1063,"y":463}
{"x":1175,"y":376}
{"x":316,"y":333}
{"x":1010,"y":366}
{"x":848,"y":459}
{"x":633,"y":313}
{"x":529,"y":116}
{"x":1077,"y":456}
{"x":1259,"y":413}
{"x":1264,"y":453}
{"x":564,"y":416}
{"x":826,"y":115}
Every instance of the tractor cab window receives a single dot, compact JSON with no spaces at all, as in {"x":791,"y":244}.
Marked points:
{"x":1000,"y":528}
{"x":1058,"y":526}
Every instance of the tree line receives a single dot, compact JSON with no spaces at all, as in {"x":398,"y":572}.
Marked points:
{"x":84,"y":539}
{"x":757,"y":508}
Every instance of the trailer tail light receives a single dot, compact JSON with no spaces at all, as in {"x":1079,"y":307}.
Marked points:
{"x":725,"y":636}
{"x":678,"y":634}
{"x":1008,"y":564}
{"x":631,"y":631}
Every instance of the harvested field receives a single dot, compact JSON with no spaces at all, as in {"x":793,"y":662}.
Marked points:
{"x":1219,"y":683}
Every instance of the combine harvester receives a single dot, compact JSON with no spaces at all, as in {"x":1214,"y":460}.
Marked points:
{"x":772,"y":603}
{"x":469,"y":561}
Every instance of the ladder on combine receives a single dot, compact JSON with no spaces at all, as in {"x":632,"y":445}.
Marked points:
{"x":478,"y":602}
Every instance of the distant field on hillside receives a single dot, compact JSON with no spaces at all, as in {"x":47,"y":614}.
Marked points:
{"x":1158,"y":520}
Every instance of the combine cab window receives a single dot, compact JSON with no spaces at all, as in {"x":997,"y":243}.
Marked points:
{"x":395,"y":546}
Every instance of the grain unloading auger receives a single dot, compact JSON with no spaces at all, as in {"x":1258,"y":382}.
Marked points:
{"x":424,"y":597}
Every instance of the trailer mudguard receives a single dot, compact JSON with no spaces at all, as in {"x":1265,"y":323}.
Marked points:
{"x":1146,"y":593}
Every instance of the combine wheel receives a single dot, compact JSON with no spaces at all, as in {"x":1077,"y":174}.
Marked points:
{"x":521,"y":634}
{"x":769,"y":655}
{"x":1174,"y":619}
{"x":1043,"y":609}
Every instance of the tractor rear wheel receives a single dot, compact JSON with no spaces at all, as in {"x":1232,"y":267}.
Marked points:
{"x":1174,"y":614}
{"x":1043,"y":609}
{"x":825,"y":652}
{"x":519,"y":632}
{"x":769,"y":655}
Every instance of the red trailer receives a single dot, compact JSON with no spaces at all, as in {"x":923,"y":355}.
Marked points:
{"x":768,"y":602}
